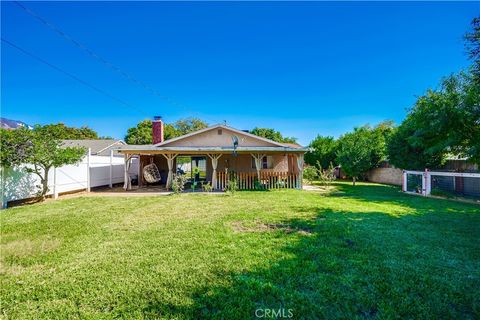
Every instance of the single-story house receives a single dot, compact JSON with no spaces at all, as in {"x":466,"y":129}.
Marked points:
{"x":98,"y":147}
{"x":216,"y":153}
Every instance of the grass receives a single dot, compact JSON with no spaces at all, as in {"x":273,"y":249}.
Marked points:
{"x":358,"y":252}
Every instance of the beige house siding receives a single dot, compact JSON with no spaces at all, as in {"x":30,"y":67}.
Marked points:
{"x":240,"y":163}
{"x":213,"y":138}
{"x":243,"y":163}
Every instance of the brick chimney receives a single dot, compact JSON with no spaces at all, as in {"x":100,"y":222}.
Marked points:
{"x":157,"y":129}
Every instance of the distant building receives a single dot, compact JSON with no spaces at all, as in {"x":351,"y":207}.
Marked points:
{"x":98,"y":147}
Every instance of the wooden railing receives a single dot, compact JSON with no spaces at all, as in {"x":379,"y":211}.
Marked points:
{"x":268,"y":180}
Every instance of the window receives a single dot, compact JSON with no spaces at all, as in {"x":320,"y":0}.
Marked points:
{"x":219,"y":132}
{"x":267,"y":163}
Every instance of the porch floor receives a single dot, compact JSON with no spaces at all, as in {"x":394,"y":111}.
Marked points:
{"x":141,"y":191}
{"x":135,"y":191}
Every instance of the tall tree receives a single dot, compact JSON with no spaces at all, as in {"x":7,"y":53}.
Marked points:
{"x":443,"y":122}
{"x":142,"y":133}
{"x":187,"y":125}
{"x":363,"y":149}
{"x":40,"y":149}
{"x":472,"y":45}
{"x":354,"y":154}
{"x":61,"y":131}
{"x":322,"y":149}
{"x":272,"y":134}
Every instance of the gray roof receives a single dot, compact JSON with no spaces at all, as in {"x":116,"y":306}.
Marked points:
{"x":149,"y":147}
{"x":98,"y":147}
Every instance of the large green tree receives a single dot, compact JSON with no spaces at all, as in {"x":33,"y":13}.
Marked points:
{"x":272,"y":134}
{"x":71,"y":133}
{"x":443,"y":122}
{"x":363,"y":149}
{"x":472,"y":45}
{"x":142,"y":133}
{"x":322,"y":149}
{"x":37,"y":151}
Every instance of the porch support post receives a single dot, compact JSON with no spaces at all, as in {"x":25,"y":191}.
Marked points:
{"x":170,"y":157}
{"x":214,"y":158}
{"x":127,"y":183}
{"x":258,"y":162}
{"x":300,"y":170}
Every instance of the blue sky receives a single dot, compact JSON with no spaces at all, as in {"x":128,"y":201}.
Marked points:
{"x":303,"y":68}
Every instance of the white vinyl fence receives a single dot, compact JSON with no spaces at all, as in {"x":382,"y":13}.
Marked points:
{"x":92,"y":171}
{"x":425,"y":183}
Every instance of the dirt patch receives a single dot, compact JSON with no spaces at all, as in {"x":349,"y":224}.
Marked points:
{"x":242,"y":226}
{"x":26,"y":248}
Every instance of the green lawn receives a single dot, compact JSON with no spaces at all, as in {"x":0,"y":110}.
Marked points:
{"x":360,"y":252}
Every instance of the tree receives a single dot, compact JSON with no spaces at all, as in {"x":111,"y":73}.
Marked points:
{"x":361,"y":150}
{"x":379,"y":137}
{"x":187,"y":125}
{"x":443,"y":122}
{"x":310,"y":173}
{"x":323,"y":150}
{"x":64,"y":132}
{"x":272,"y":134}
{"x":40,"y":149}
{"x":411,"y":156}
{"x":142,"y":133}
{"x":472,"y":46}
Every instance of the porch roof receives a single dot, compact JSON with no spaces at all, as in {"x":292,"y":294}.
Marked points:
{"x":139,"y":149}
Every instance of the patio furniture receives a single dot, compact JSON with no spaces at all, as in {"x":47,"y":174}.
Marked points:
{"x":151,"y":173}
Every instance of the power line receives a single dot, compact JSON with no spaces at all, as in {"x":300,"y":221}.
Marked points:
{"x":91,"y":86}
{"x":99,"y":58}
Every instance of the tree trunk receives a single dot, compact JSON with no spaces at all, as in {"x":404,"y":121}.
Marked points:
{"x":44,"y":182}
{"x":353,"y":180}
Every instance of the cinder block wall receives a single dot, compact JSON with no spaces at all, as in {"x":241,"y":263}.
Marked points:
{"x":386,"y":176}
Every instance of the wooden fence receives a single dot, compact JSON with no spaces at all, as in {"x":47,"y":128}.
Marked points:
{"x":268,"y":180}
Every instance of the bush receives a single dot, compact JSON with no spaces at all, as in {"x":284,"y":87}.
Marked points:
{"x":257,"y":185}
{"x":207,"y":187}
{"x":232,"y":185}
{"x":178,"y":183}
{"x":310,"y":174}
{"x":326,"y":176}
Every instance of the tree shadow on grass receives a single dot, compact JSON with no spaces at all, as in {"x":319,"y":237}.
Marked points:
{"x":346,"y":265}
{"x":385,"y":194}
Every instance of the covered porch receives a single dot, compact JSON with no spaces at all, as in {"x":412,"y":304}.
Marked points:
{"x":254,"y":168}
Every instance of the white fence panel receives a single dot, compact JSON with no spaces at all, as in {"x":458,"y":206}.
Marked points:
{"x":68,"y":178}
{"x":16,"y":184}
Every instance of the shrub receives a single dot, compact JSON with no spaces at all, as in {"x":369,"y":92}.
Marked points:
{"x":258,"y":185}
{"x":232,"y":185}
{"x":310,"y":174}
{"x":207,"y":187}
{"x":178,"y":183}
{"x":326,"y":176}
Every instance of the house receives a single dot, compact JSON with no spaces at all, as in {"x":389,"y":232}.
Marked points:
{"x":217,"y":153}
{"x":98,"y":147}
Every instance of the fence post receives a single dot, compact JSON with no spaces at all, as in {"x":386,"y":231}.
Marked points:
{"x":55,"y":189}
{"x":428,"y":182}
{"x":404,"y":188}
{"x":111,"y":169}
{"x":3,"y":175}
{"x":424,"y":183}
{"x":88,"y":169}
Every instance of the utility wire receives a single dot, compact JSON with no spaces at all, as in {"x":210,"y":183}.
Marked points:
{"x":110,"y":65}
{"x":91,"y":86}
